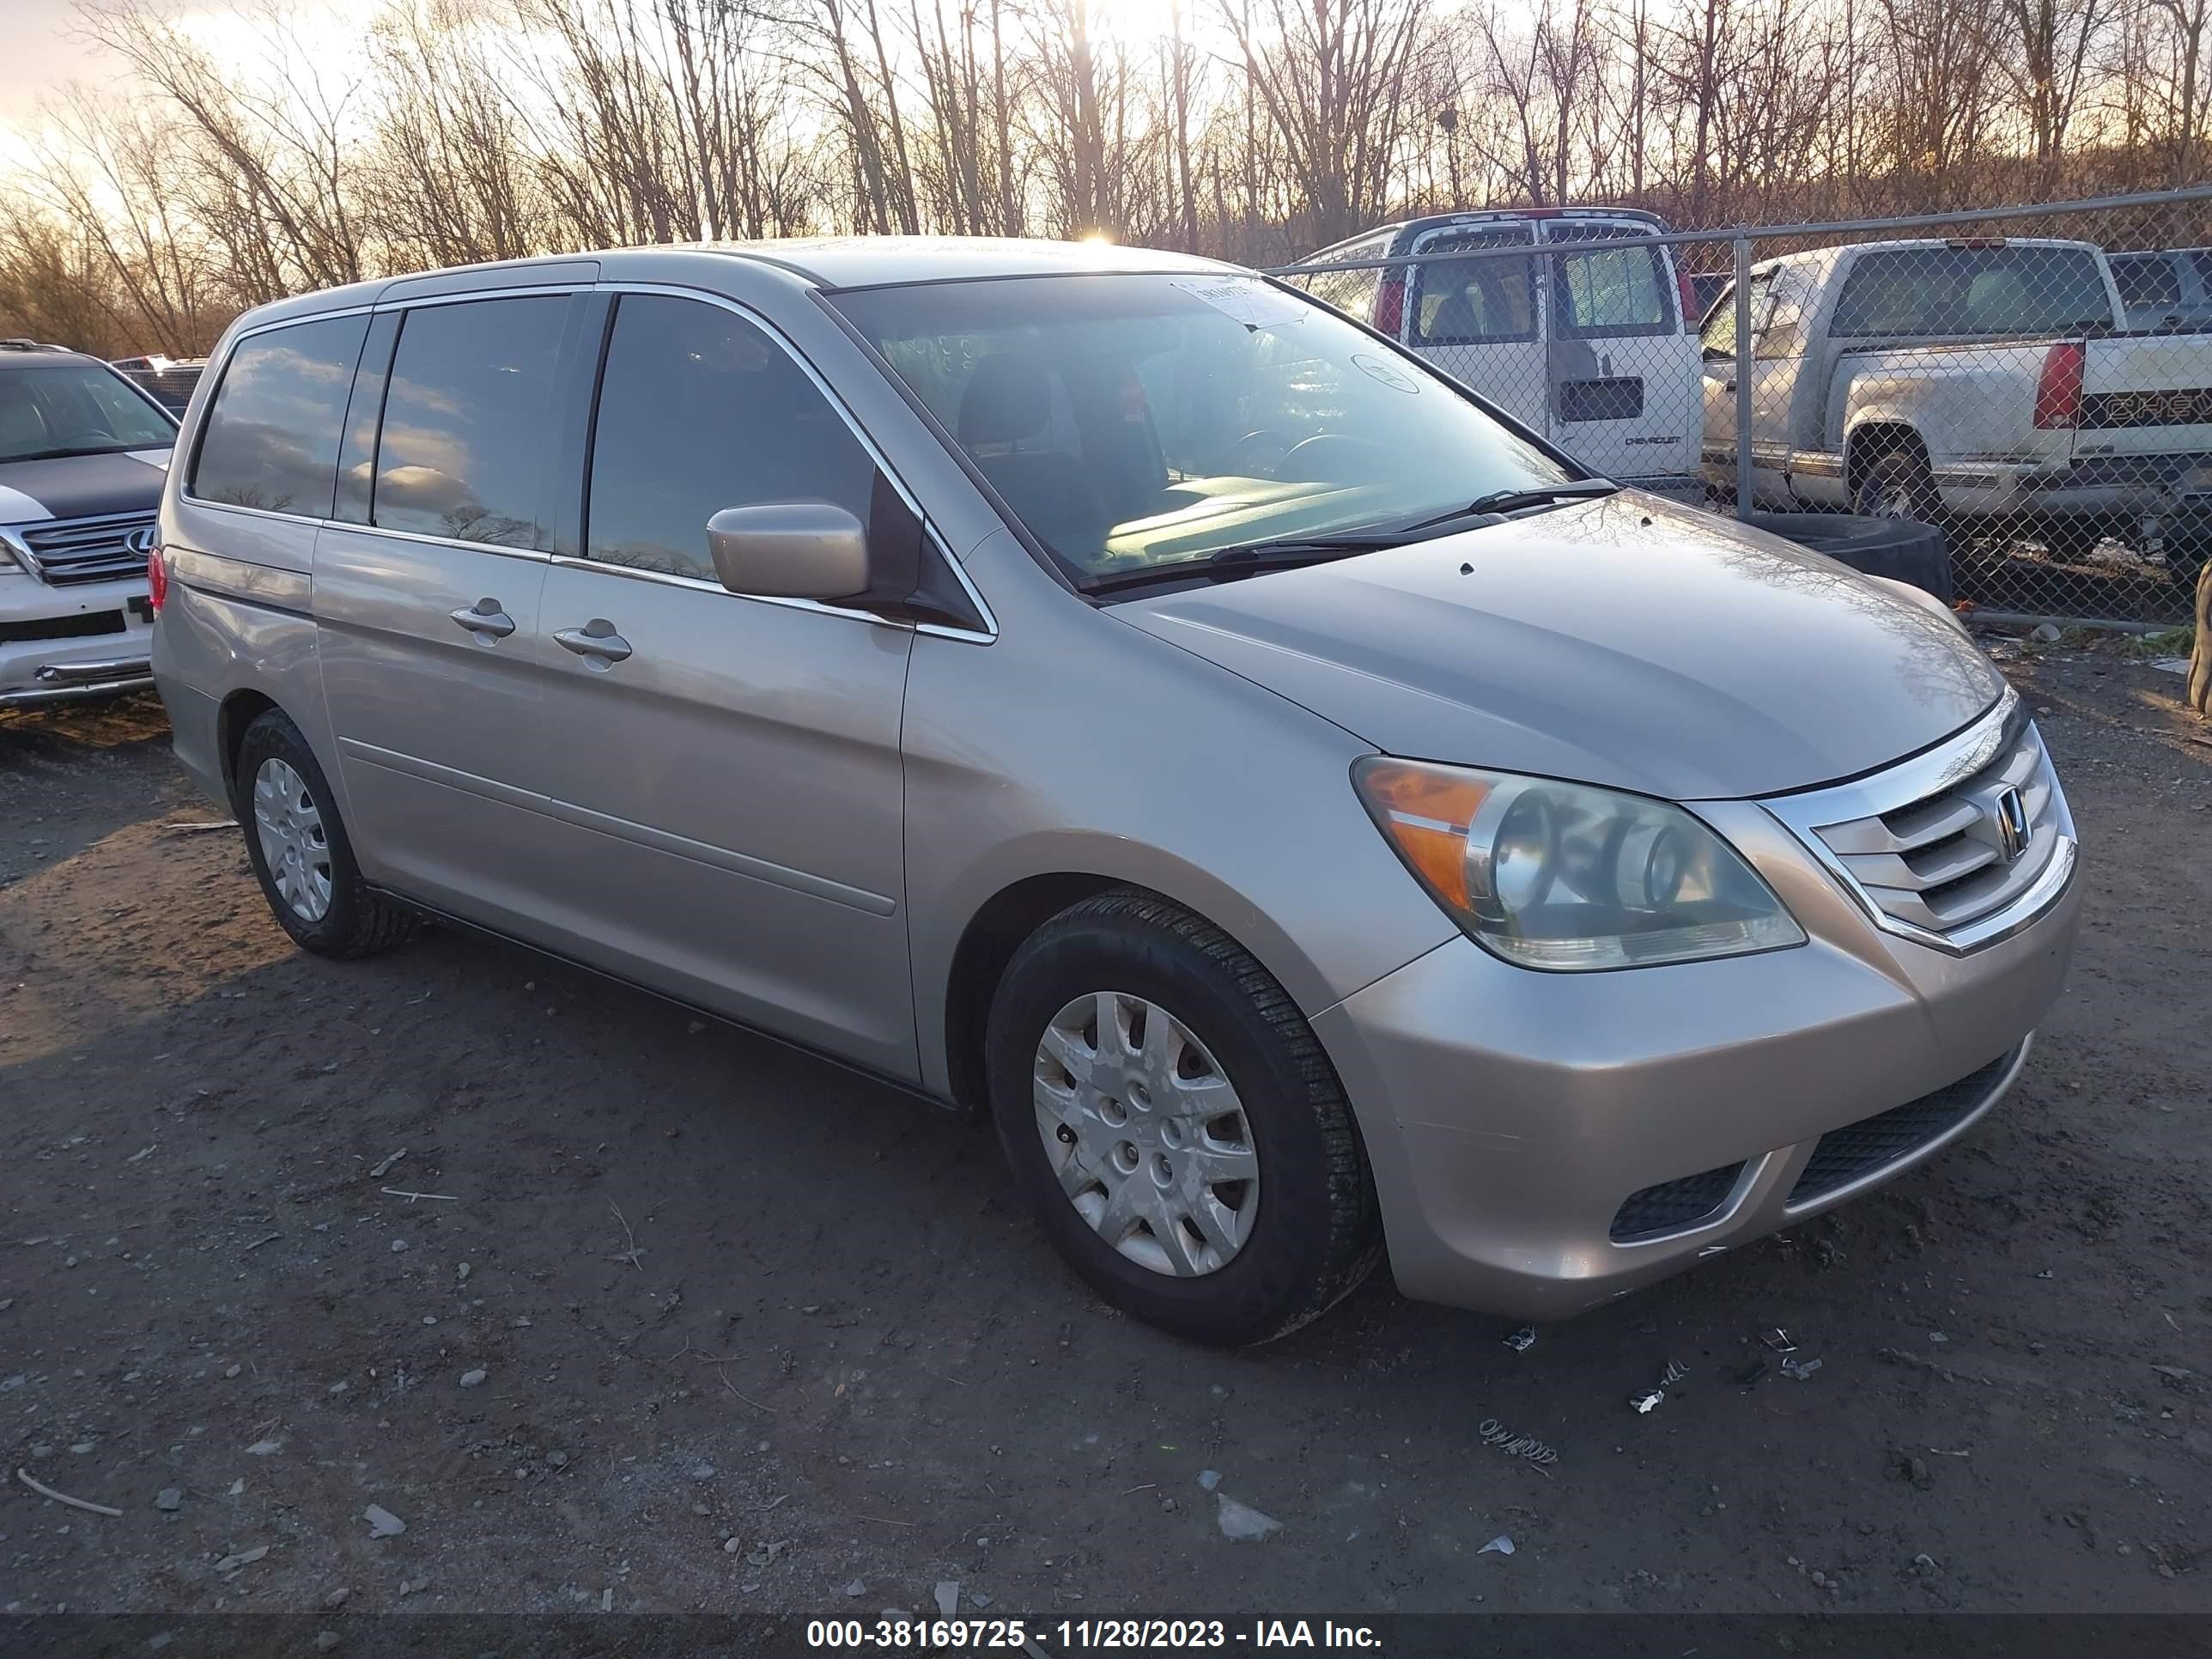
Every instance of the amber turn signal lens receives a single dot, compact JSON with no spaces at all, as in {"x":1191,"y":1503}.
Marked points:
{"x":1426,"y":813}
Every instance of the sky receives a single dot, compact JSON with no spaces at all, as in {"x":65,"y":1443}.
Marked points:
{"x":34,"y":55}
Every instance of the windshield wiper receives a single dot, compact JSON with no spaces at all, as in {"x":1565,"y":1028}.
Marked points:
{"x":1513,"y":501}
{"x":1249,"y":559}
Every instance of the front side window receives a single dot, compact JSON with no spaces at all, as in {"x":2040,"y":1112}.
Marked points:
{"x":470,"y":425}
{"x":1614,"y":291}
{"x":271,"y":438}
{"x":1130,"y":421}
{"x":1490,"y":300}
{"x":50,"y":410}
{"x":1973,"y":291}
{"x":699,"y":410}
{"x":1718,"y":338}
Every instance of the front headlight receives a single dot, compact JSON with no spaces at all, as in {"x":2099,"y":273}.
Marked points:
{"x":1566,"y":876}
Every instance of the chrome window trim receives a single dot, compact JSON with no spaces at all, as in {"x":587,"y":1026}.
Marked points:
{"x":860,"y":434}
{"x":466,"y":296}
{"x":1931,"y":772}
{"x":700,"y":585}
{"x":939,"y":630}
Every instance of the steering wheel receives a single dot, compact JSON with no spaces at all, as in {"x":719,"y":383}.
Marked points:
{"x":88,"y":439}
{"x":1238,"y":457}
{"x":1333,"y":457}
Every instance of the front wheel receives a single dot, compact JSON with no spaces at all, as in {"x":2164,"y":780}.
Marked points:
{"x":1175,"y":1126}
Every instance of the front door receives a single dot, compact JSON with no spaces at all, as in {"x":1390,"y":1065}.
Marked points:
{"x":724,"y":770}
{"x":426,"y":601}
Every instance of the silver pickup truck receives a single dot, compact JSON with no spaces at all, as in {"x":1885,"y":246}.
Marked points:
{"x":1991,"y":383}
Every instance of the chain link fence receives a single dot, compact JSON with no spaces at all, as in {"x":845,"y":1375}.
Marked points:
{"x":2035,"y":381}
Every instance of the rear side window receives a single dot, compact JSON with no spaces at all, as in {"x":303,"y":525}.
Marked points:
{"x":1484,"y":302}
{"x":271,"y":438}
{"x":2150,"y":281}
{"x":700,"y":410}
{"x":1988,"y":292}
{"x":1612,"y":292}
{"x":470,"y":429}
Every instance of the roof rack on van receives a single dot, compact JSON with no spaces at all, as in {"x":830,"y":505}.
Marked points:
{"x":20,"y":345}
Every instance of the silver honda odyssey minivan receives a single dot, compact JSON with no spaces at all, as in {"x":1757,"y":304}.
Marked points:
{"x":1110,"y":690}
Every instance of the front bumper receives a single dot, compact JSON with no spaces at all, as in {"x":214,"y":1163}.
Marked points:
{"x":115,"y":659}
{"x":1512,"y":1116}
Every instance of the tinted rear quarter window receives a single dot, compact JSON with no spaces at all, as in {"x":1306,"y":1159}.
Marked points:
{"x":471,"y":426}
{"x":271,"y":438}
{"x":1985,"y":292}
{"x":699,"y":410}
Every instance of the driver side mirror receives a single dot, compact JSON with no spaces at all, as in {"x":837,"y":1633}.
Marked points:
{"x":790,"y":551}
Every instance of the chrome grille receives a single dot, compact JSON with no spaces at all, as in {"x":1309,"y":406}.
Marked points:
{"x":71,"y":550}
{"x":1944,"y":846}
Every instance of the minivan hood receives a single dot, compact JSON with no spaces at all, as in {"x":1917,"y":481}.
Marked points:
{"x":1629,"y":642}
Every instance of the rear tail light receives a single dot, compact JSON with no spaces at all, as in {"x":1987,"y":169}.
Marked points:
{"x":1688,"y":290}
{"x":157,"y":577}
{"x":1390,"y":304}
{"x":2059,"y":391}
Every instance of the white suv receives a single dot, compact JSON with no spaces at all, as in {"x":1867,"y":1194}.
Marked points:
{"x":82,"y":456}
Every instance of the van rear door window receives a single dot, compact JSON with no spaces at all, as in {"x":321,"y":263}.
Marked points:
{"x":1611,"y":292}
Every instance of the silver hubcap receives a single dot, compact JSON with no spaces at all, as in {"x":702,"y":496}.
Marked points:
{"x":1146,"y":1133}
{"x":292,"y":844}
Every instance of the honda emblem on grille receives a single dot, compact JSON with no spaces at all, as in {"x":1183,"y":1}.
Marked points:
{"x":2009,"y":812}
{"x":141,"y":540}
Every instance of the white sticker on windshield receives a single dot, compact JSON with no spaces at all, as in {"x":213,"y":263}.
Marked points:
{"x":1252,"y":303}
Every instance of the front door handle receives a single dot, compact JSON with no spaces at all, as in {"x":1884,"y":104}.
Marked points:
{"x":596,"y":642}
{"x":484,"y":619}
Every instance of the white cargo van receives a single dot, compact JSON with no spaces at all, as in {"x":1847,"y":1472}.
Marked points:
{"x":1588,"y":337}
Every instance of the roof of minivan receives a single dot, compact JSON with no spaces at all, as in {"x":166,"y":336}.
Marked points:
{"x":823,"y":261}
{"x":872,"y":261}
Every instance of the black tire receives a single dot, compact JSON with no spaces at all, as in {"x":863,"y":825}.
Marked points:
{"x":1896,"y":548}
{"x":1316,"y":1234}
{"x":1896,"y":485}
{"x":359,"y":921}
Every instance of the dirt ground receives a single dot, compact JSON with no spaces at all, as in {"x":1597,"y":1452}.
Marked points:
{"x":616,"y":1309}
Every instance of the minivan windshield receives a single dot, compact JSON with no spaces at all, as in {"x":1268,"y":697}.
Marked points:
{"x":52,"y":410}
{"x":1132,"y":421}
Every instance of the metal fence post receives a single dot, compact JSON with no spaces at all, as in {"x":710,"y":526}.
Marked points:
{"x":1742,"y":376}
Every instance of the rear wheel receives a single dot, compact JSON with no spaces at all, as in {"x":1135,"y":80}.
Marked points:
{"x":1174,"y":1125}
{"x":1896,"y":485}
{"x":299,"y":849}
